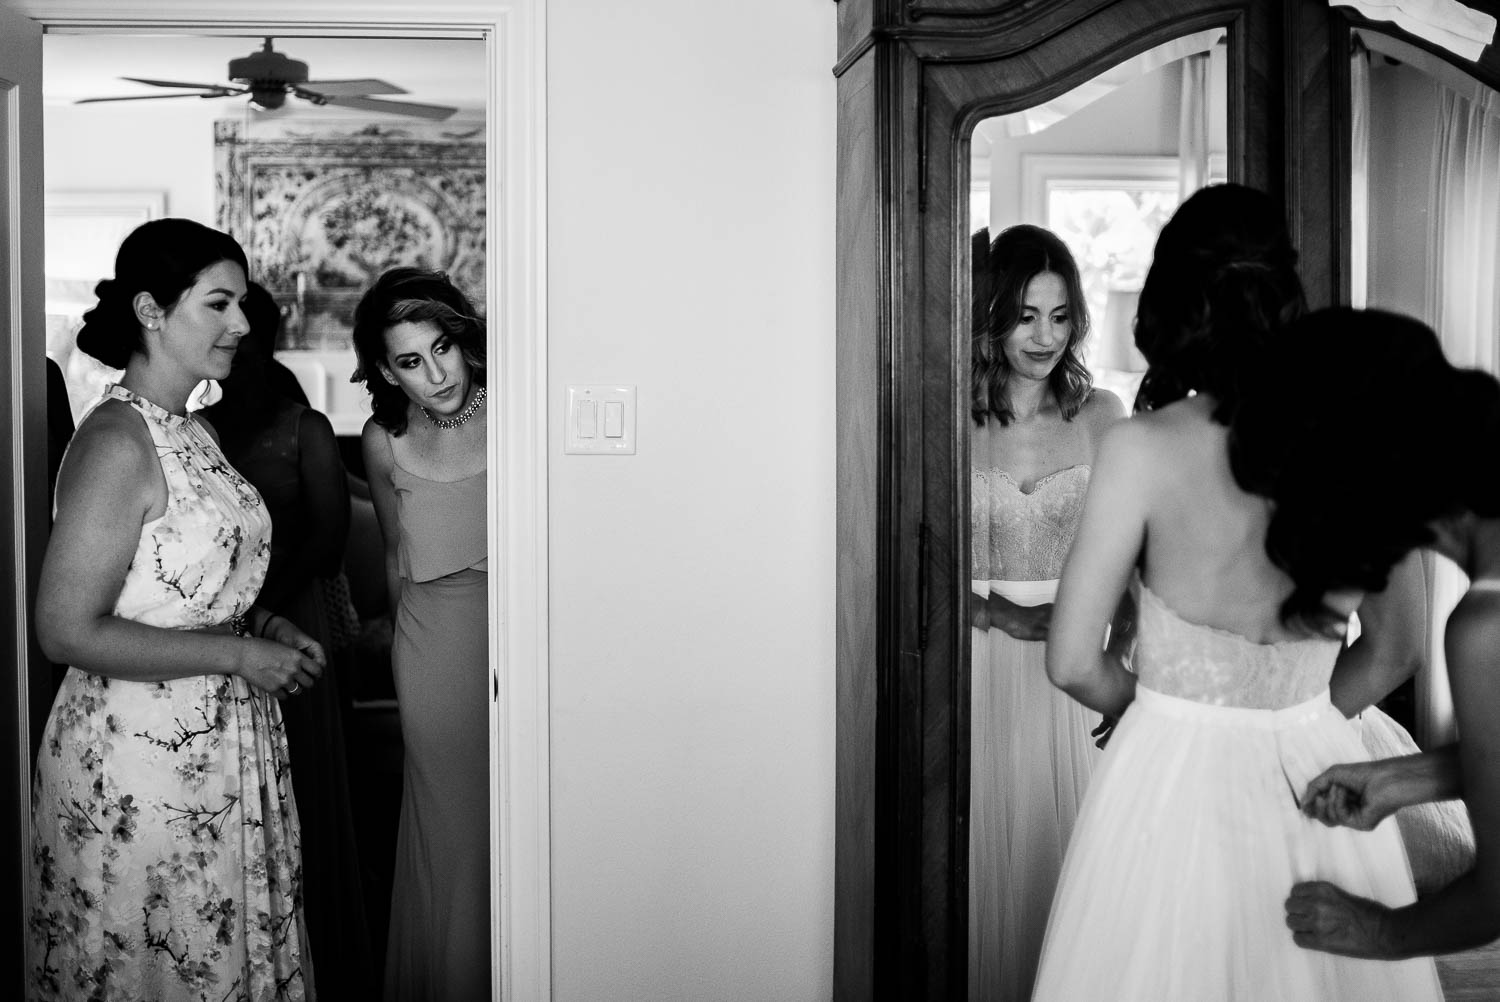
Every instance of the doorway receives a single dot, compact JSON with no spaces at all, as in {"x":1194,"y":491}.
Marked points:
{"x":511,"y":36}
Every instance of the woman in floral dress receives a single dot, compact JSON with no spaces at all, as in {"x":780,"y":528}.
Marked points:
{"x":165,"y":853}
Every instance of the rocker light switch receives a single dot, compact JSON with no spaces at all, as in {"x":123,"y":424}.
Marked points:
{"x":610,"y":405}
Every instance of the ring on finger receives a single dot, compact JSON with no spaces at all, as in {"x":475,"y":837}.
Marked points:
{"x":294,"y":688}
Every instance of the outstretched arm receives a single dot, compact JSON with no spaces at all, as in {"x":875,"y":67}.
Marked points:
{"x":1363,"y":794}
{"x":1104,"y":552}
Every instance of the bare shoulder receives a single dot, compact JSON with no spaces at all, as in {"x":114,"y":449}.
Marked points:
{"x":1127,"y":444}
{"x":1472,"y":636}
{"x":375,"y":444}
{"x":1101,"y":410}
{"x":113,"y":435}
{"x":112,"y":452}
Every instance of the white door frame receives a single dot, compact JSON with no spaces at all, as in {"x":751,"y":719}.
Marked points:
{"x":514,"y":32}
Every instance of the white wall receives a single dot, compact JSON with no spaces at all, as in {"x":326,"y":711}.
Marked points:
{"x":691,"y":219}
{"x":139,"y":147}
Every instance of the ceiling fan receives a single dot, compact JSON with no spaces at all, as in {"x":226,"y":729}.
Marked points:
{"x":268,"y":77}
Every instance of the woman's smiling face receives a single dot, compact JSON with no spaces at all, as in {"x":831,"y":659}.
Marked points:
{"x":203,"y":328}
{"x":1041,"y":335}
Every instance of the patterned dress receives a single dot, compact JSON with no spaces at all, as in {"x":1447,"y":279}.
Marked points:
{"x":165,"y":858}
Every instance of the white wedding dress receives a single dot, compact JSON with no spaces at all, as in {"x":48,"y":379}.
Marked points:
{"x":1189,"y":838}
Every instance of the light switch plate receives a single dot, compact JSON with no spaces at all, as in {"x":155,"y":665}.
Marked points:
{"x":590,"y":420}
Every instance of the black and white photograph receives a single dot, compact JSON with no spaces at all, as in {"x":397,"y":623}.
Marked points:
{"x":826,"y":500}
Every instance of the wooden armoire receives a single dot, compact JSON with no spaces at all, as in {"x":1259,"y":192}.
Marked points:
{"x":914,"y":78}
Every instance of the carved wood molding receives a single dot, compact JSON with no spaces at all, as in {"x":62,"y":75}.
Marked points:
{"x":1005,"y":14}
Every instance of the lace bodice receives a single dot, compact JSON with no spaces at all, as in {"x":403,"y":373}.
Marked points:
{"x":1209,"y":665}
{"x":204,"y":559}
{"x":1018,"y":535}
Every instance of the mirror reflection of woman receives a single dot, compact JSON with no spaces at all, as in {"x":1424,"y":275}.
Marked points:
{"x":165,"y":845}
{"x":1037,"y":421}
{"x":421,"y":355}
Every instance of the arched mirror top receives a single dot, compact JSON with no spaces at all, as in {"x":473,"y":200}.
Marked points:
{"x":1015,"y":89}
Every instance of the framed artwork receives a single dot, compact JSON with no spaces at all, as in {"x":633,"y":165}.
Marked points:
{"x":322,"y":209}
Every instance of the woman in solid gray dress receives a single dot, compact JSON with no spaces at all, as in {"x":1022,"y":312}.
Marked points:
{"x":421,"y":355}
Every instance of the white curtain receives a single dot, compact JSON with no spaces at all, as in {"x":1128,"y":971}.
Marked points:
{"x":1464,"y":309}
{"x":1457,"y":27}
{"x":1192,"y":126}
{"x":1359,"y":176}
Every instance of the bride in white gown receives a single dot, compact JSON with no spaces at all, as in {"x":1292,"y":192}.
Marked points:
{"x":1190,"y":835}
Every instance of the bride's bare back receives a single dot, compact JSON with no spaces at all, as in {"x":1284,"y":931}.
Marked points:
{"x":1162,"y":501}
{"x":1204,"y":550}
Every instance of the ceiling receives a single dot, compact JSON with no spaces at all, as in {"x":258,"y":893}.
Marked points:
{"x":433,"y":71}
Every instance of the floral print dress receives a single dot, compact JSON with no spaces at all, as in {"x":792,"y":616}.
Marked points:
{"x":165,"y":857}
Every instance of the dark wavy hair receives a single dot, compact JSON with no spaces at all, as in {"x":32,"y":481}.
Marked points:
{"x":1001,"y":272}
{"x":163,"y":257}
{"x":1223,"y":278}
{"x":1362,"y":434}
{"x":410,"y":295}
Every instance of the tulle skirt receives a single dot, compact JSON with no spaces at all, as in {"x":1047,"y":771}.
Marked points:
{"x":1031,"y":754}
{"x":1186,"y":848}
{"x":1439,"y":838}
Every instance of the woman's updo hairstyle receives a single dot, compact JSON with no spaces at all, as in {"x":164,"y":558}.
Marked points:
{"x":1361,"y":434}
{"x":410,"y":295}
{"x":1223,"y":278}
{"x":163,"y":257}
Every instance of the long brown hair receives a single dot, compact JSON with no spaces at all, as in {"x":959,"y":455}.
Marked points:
{"x":1002,"y":270}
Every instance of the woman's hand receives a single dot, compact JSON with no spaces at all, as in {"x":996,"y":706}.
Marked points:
{"x":277,"y":667}
{"x":1354,"y":794}
{"x":1323,"y":917}
{"x":979,"y":611}
{"x":1024,"y":622}
{"x":284,"y":631}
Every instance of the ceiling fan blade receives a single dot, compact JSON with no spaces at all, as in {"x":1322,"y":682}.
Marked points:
{"x":150,"y":97}
{"x":175,"y":83}
{"x":435,"y":112}
{"x":351,"y":88}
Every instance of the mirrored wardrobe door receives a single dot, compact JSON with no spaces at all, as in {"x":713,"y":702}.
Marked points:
{"x":1066,"y":199}
{"x":924,"y":89}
